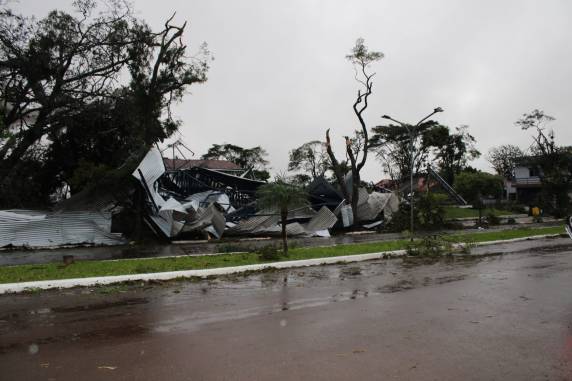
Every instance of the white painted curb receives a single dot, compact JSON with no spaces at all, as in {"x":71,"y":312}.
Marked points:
{"x":534,"y":237}
{"x":95,"y":281}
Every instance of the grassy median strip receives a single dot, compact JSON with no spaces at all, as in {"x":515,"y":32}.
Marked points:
{"x":455,"y":212}
{"x":84,"y":269}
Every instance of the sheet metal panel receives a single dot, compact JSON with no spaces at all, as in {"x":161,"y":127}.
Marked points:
{"x":57,"y":229}
{"x":323,"y":220}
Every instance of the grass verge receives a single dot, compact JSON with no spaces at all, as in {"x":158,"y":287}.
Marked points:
{"x":452,"y":212}
{"x":84,"y":269}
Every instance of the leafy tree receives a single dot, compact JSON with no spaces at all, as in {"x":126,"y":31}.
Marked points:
{"x":504,"y":159}
{"x":311,"y":158}
{"x":453,"y":151}
{"x":357,"y":147}
{"x":300,"y":179}
{"x":391,"y":143}
{"x":78,"y":86}
{"x":432,"y":140}
{"x":248,"y":158}
{"x":473,"y":186}
{"x":281,"y":196}
{"x":554,"y":161}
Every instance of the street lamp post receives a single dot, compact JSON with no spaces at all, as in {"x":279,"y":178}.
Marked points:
{"x":412,"y":129}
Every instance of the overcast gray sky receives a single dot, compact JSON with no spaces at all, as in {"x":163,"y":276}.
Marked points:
{"x":280,"y":78}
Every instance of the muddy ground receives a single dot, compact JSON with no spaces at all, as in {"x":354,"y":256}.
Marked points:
{"x":496,"y":317}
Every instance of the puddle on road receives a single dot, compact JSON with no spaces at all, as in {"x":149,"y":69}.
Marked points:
{"x":101,"y":334}
{"x":190,"y":305}
{"x":102,"y":306}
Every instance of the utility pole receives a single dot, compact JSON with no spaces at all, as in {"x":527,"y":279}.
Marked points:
{"x":412,"y":130}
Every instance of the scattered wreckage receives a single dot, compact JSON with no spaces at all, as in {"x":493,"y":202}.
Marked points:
{"x":190,"y":201}
{"x":216,"y":203}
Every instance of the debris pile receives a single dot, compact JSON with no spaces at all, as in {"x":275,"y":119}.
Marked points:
{"x":191,"y":201}
{"x":204,"y":200}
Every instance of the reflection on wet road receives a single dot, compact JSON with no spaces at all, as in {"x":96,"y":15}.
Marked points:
{"x":496,"y":317}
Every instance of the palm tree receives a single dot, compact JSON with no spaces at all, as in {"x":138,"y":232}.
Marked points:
{"x":282,"y":196}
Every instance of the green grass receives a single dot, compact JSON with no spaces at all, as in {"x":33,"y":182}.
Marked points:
{"x":454,"y":212}
{"x":83,"y":269}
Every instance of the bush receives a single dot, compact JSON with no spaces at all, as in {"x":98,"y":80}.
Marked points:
{"x":429,"y":214}
{"x":269,"y":253}
{"x":400,"y":220}
{"x":431,"y":211}
{"x":430,"y":246}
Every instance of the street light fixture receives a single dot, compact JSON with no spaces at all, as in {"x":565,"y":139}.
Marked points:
{"x":412,"y":130}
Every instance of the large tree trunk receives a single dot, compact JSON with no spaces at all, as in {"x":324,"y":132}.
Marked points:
{"x":356,"y":179}
{"x":337,"y":169}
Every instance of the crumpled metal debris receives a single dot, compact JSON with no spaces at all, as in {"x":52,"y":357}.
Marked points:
{"x":200,"y":200}
{"x":189,"y":201}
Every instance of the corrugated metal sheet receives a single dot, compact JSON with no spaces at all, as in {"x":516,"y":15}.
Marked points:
{"x":208,"y":197}
{"x":255,"y":224}
{"x":301,"y":213}
{"x":209,"y":219}
{"x":323,"y":220}
{"x":373,"y":206}
{"x":376,"y":203}
{"x":269,"y":223}
{"x":363,"y":196}
{"x":291,"y":229}
{"x":169,"y":218}
{"x":152,"y":168}
{"x":28,"y":228}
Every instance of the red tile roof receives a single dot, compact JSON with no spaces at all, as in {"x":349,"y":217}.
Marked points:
{"x":171,"y":164}
{"x":388,"y":183}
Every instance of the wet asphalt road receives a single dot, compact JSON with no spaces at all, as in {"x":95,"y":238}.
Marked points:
{"x":499,"y":317}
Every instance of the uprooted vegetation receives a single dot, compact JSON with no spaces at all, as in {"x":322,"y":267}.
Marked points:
{"x":431,"y":246}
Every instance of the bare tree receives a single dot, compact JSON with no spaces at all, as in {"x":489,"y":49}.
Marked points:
{"x":503,"y":159}
{"x":357,"y":146}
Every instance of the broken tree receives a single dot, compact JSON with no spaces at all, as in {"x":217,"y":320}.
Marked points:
{"x":356,"y":147}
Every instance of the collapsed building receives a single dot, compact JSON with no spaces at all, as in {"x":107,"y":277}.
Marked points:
{"x":184,"y":201}
{"x":197,"y":199}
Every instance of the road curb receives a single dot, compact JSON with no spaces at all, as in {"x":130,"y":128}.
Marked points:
{"x":9,"y":288}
